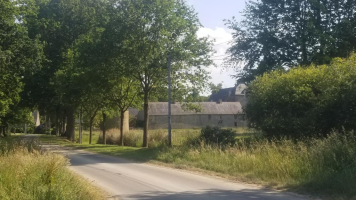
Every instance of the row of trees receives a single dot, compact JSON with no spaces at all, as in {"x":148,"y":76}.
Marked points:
{"x":277,"y":34}
{"x":91,"y":56}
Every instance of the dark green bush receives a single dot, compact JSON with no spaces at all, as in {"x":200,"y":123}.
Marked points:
{"x":217,"y":135}
{"x":305,"y":100}
{"x":132,"y":121}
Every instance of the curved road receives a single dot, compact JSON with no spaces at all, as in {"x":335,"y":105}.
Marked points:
{"x":125,"y":179}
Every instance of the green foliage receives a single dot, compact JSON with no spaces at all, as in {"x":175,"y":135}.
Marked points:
{"x":284,"y":33}
{"x":20,"y":56}
{"x":218,"y":136}
{"x":305,"y":101}
{"x":215,"y":88}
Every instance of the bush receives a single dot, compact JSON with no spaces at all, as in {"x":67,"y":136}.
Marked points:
{"x":112,"y":137}
{"x":132,"y":121}
{"x":311,"y":100}
{"x":217,"y":135}
{"x":133,"y":139}
{"x":40,"y":129}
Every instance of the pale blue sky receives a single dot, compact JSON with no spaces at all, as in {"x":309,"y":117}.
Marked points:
{"x":211,"y":14}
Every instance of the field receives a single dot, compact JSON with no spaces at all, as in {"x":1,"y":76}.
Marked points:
{"x":324,"y":166}
{"x":28,"y":173}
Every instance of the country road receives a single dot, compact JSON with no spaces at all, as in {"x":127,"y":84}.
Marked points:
{"x":125,"y":179}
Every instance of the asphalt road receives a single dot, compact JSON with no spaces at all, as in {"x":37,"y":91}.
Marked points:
{"x":125,"y":179}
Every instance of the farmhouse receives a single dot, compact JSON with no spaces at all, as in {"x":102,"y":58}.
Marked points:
{"x":224,"y":114}
{"x":234,"y":94}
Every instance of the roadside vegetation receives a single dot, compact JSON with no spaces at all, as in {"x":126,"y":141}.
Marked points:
{"x":323,"y":166}
{"x":28,"y":173}
{"x":306,"y":143}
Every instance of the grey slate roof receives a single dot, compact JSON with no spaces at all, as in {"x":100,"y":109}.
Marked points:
{"x":227,"y":92}
{"x":208,"y":108}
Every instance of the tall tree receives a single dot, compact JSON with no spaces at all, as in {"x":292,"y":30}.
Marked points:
{"x":125,"y":94}
{"x":154,"y":30}
{"x":287,"y":33}
{"x":20,"y":56}
{"x":60,"y":24}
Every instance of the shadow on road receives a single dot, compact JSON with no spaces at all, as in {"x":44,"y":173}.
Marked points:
{"x":213,"y":194}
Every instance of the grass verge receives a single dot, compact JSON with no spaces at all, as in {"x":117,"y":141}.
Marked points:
{"x":319,"y":166}
{"x":26,"y":173}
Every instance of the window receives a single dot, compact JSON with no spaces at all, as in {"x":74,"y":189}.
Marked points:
{"x":220,"y":116}
{"x":235,"y":124}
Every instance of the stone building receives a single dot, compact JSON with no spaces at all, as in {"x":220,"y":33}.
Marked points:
{"x":224,"y":114}
{"x":234,"y":94}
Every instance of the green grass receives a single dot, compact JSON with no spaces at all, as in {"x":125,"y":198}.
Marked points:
{"x":321,"y":166}
{"x":29,"y":174}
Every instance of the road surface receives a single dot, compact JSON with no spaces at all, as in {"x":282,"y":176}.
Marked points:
{"x":125,"y":179}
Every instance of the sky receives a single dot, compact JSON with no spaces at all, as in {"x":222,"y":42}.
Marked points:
{"x":211,"y":14}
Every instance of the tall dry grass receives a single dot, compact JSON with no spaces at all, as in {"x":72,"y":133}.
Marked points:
{"x":26,"y":173}
{"x":321,"y":165}
{"x":155,"y":137}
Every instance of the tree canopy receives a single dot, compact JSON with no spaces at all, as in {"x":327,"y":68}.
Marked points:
{"x":99,"y":55}
{"x":277,"y":34}
{"x":20,"y":56}
{"x":305,"y":101}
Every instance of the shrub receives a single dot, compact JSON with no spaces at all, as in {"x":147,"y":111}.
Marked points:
{"x":157,"y":138}
{"x":311,"y":100}
{"x":133,"y":139}
{"x":112,"y":136}
{"x":217,"y":135}
{"x":132,"y":121}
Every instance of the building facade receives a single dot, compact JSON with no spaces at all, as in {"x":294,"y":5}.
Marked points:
{"x":224,"y":114}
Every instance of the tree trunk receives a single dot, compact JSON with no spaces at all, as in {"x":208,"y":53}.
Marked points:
{"x":64,"y":124}
{"x":57,"y":123}
{"x":46,"y":124}
{"x":49,"y":125}
{"x":6,"y":127}
{"x":70,"y":125}
{"x":2,"y":131}
{"x":122,"y":114}
{"x":91,"y":129}
{"x":104,"y":127}
{"x":80,"y":127}
{"x":145,"y":126}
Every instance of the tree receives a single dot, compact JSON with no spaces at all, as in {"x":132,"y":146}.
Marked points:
{"x":305,"y":100}
{"x":20,"y":56}
{"x":60,"y":25}
{"x":155,"y":30}
{"x":215,"y":88}
{"x":125,"y":94}
{"x":284,"y":34}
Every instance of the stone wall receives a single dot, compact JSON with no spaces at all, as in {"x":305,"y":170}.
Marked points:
{"x":196,"y":121}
